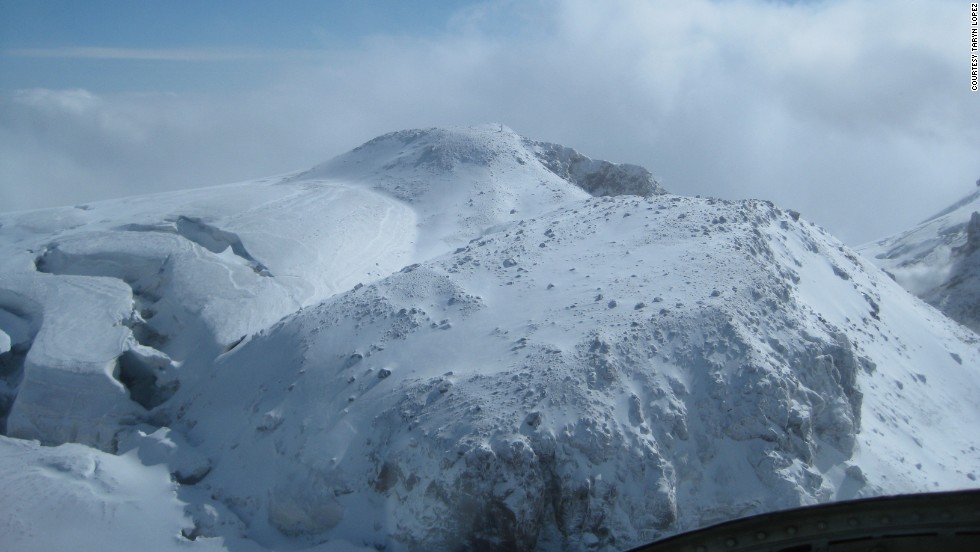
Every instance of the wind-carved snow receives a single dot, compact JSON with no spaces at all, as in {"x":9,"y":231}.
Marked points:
{"x":938,"y":260}
{"x":442,"y":340}
{"x":67,"y":390}
{"x":207,"y":236}
{"x":125,"y":304}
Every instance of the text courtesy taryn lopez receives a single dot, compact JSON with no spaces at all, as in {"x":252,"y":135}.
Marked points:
{"x":973,"y":46}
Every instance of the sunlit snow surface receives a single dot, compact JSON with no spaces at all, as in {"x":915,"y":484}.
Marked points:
{"x":440,"y":340}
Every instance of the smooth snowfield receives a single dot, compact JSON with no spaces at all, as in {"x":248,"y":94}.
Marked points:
{"x":443,"y":340}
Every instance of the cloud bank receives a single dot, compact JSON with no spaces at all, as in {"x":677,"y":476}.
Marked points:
{"x":858,"y":114}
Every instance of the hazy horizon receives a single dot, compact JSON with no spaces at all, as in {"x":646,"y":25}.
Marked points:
{"x":858,"y":114}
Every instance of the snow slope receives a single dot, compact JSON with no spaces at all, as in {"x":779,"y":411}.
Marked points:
{"x":600,"y":376}
{"x":442,"y":340}
{"x":938,"y":260}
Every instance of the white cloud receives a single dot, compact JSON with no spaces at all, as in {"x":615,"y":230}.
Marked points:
{"x":856,"y":113}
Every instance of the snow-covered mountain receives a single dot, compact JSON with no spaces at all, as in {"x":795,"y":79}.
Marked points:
{"x":460,"y":183}
{"x":449,"y":339}
{"x":939,"y":260}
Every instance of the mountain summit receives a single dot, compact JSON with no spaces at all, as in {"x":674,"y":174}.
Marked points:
{"x":455,"y":340}
{"x":461,"y":181}
{"x":483,"y":149}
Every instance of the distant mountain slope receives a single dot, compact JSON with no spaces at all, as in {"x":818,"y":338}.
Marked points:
{"x":938,"y":260}
{"x":443,"y":340}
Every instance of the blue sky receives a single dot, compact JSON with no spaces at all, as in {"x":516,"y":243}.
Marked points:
{"x":195,"y":23}
{"x":857,"y":113}
{"x":113,"y":45}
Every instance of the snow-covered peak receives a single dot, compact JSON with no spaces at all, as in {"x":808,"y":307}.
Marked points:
{"x":462,"y":181}
{"x":938,"y":259}
{"x":438,"y":151}
{"x":429,"y":150}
